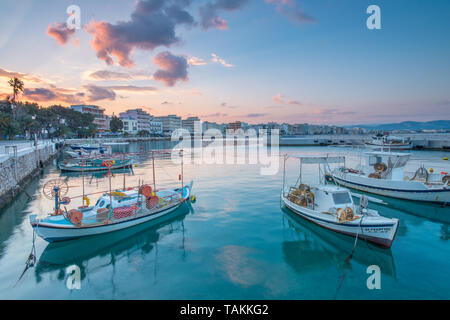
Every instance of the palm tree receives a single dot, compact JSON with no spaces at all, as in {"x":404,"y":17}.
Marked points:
{"x":18,"y":87}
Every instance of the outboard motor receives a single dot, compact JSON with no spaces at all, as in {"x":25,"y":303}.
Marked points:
{"x":363,"y":204}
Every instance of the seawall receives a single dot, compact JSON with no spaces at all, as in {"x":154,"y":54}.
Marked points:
{"x":18,"y":167}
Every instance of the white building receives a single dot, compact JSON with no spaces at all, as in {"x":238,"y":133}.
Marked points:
{"x":101,"y":120}
{"x":170,"y":123}
{"x":130,"y":126}
{"x":143,"y":118}
{"x":156,"y":127}
{"x":189,"y":123}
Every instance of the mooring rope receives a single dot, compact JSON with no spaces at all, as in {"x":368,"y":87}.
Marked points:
{"x":31,"y":261}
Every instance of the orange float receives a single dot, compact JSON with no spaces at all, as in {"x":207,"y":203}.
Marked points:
{"x":146,"y":190}
{"x":75,"y":216}
{"x":152,"y":202}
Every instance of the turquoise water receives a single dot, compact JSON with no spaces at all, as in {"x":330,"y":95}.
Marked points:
{"x":235,"y":242}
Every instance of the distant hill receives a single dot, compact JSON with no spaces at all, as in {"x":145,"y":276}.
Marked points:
{"x":407,"y":125}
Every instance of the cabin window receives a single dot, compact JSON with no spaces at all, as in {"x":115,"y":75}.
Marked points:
{"x":341,"y":198}
{"x":102,"y":203}
{"x":373,"y":160}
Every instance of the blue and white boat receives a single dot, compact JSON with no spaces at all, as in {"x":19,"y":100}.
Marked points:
{"x":113,"y":211}
{"x":332,"y":207}
{"x":95,"y":164}
{"x":383,"y":173}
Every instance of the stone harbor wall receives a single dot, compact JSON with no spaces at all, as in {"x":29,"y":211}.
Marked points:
{"x":19,"y":168}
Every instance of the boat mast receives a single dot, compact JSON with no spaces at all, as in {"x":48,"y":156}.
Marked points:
{"x":284,"y":172}
{"x":82,"y":180}
{"x":153,"y":165}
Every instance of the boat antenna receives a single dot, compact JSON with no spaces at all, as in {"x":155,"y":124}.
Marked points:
{"x":124,"y":172}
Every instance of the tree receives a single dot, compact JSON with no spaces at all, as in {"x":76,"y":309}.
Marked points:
{"x":116,"y":124}
{"x":143,"y":133}
{"x":18,"y":87}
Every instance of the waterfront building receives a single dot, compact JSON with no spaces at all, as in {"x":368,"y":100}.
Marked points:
{"x":130,"y":125}
{"x":156,"y":127}
{"x":142,"y":117}
{"x":188,"y":123}
{"x":169,"y":123}
{"x":235,"y":125}
{"x":101,"y":120}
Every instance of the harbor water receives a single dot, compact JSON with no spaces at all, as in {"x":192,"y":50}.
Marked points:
{"x":234,"y":242}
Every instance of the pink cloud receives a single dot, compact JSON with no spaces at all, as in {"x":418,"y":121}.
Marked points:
{"x":209,"y":13}
{"x":60,"y":32}
{"x":279,"y":98}
{"x":152,"y":24}
{"x":173,"y":68}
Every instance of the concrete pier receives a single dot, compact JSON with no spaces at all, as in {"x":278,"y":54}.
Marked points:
{"x":419,"y":141}
{"x":19,"y":163}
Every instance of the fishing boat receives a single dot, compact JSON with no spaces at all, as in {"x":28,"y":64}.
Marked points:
{"x":114,"y":210}
{"x":332,"y":207}
{"x":95,"y":164}
{"x":86,"y":147}
{"x":383,"y":173}
{"x":386,"y":142}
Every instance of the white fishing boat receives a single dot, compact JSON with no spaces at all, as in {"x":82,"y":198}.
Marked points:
{"x":383,"y":173}
{"x":386,"y":142}
{"x":114,"y":209}
{"x":332,"y":207}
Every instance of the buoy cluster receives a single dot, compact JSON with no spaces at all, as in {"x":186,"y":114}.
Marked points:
{"x":151,"y":199}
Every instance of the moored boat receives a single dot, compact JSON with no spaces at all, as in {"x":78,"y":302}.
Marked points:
{"x":113,"y":211}
{"x":386,"y":142}
{"x":332,"y":207}
{"x":95,"y":164}
{"x":383,"y":173}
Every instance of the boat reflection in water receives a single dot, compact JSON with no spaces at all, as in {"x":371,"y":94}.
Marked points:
{"x":313,"y":248}
{"x":143,"y":237}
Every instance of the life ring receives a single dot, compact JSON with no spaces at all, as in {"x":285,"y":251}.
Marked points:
{"x":446,"y":179}
{"x":75,"y":216}
{"x":380,"y":167}
{"x":107,"y":163}
{"x":88,"y":201}
{"x":65,"y":200}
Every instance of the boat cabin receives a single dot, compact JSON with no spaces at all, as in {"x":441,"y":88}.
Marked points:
{"x":385,"y":165}
{"x":329,"y":197}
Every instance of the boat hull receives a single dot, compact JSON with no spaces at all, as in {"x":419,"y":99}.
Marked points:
{"x":394,"y":189}
{"x":63,"y":167}
{"x":57,"y":233}
{"x":381,"y":233}
{"x":388,"y":147}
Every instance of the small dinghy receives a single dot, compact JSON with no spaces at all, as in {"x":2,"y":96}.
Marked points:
{"x":332,"y":207}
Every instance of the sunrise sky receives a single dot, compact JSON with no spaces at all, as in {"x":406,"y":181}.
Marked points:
{"x":256,"y":61}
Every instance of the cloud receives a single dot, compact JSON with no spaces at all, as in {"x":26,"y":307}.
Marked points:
{"x":131,"y":88}
{"x":279,"y":98}
{"x":195,"y":92}
{"x":194,"y":61}
{"x":173,"y":68}
{"x":209,"y":13}
{"x":53,"y":94}
{"x":110,"y":75}
{"x":214,"y":115}
{"x":256,"y":115}
{"x":225,"y":105}
{"x":60,"y":32}
{"x":216,"y":59}
{"x":24,"y":76}
{"x":97,"y":93}
{"x":289,"y":9}
{"x":152,"y":24}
